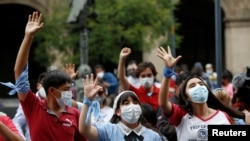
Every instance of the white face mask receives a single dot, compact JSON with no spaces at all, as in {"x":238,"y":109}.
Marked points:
{"x":198,"y":94}
{"x":147,"y":82}
{"x":65,"y":98}
{"x":42,"y":93}
{"x":131,"y":113}
{"x":100,"y":75}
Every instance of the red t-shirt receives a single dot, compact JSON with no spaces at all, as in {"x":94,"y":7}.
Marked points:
{"x":144,"y":97}
{"x":9,"y":123}
{"x":46,"y":126}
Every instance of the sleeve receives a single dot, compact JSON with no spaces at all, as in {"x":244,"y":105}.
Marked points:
{"x":9,"y":123}
{"x":112,"y":80}
{"x":176,"y":115}
{"x":19,"y":120}
{"x":103,"y":130}
{"x":30,"y":105}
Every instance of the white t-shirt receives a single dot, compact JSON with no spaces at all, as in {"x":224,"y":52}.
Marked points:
{"x":191,"y":127}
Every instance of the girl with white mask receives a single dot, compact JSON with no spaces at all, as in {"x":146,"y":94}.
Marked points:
{"x":148,"y":89}
{"x":126,"y":123}
{"x":198,"y":107}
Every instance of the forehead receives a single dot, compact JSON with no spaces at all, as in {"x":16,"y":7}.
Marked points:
{"x":132,"y":66}
{"x":193,"y":80}
{"x":146,"y":71}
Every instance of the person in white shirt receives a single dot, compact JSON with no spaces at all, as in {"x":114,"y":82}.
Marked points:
{"x":198,"y":107}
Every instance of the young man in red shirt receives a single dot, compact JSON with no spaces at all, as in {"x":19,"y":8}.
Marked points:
{"x":48,"y":119}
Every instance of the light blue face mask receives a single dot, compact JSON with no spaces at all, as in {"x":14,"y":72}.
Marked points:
{"x":199,"y":94}
{"x":65,"y":98}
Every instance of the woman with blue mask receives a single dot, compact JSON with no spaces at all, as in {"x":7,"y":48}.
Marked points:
{"x":198,"y":107}
{"x":126,"y":123}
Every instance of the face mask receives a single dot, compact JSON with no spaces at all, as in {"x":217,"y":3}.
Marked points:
{"x":41,"y":92}
{"x":147,"y":82}
{"x":100,"y":75}
{"x":65,"y":98}
{"x":198,"y":94}
{"x":131,"y":113}
{"x":100,"y":99}
{"x":209,"y":71}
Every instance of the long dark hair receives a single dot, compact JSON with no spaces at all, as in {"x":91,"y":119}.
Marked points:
{"x":212,"y":101}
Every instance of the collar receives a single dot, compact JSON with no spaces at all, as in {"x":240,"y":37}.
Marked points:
{"x":126,"y":130}
{"x":48,"y":110}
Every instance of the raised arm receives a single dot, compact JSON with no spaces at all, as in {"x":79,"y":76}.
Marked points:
{"x":8,"y":130}
{"x":121,"y":68}
{"x":33,"y":25}
{"x":169,"y":62}
{"x":91,"y":89}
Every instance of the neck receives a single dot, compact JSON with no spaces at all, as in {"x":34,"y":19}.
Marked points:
{"x":131,"y":126}
{"x":201,"y":109}
{"x":53,"y":106}
{"x":150,"y":89}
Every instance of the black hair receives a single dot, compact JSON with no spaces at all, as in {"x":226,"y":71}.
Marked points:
{"x":212,"y":101}
{"x":144,"y":65}
{"x":121,"y":100}
{"x":55,"y":78}
{"x":99,"y":66}
{"x":181,"y":77}
{"x":243,"y":95}
{"x":227,"y":75}
{"x":41,"y":77}
{"x":149,"y":114}
{"x":132,"y":62}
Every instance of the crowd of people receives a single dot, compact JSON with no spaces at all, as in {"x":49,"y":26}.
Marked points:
{"x":132,"y":106}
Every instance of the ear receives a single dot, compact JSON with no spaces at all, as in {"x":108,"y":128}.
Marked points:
{"x":118,"y":112}
{"x":51,"y":90}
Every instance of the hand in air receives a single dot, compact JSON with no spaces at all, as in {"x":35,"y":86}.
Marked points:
{"x":125,"y":52}
{"x":70,"y":70}
{"x":34,"y":23}
{"x":90,"y":87}
{"x":167,"y":57}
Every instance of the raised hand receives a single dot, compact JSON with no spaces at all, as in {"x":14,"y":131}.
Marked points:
{"x":34,"y":23}
{"x":90,"y":87}
{"x":70,"y":70}
{"x":167,"y":57}
{"x":125,"y":52}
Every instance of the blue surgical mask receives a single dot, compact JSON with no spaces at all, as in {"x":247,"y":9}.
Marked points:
{"x":65,"y":98}
{"x":199,"y":94}
{"x":99,"y":98}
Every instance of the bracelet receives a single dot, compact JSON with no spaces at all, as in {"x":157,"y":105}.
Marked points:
{"x":87,"y":101}
{"x":168,"y":72}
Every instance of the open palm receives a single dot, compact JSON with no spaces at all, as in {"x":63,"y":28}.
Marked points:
{"x":167,"y":57}
{"x":34,"y":23}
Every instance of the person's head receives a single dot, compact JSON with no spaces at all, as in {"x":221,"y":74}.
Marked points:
{"x":179,"y":81}
{"x":146,"y":72}
{"x":195,"y":91}
{"x":242,"y":98}
{"x":101,"y":97}
{"x":39,"y":85}
{"x":222,"y":95}
{"x":227,"y":77}
{"x":149,"y":114}
{"x":57,"y":86}
{"x":99,"y":71}
{"x":209,"y":68}
{"x":131,"y":68}
{"x":127,"y":108}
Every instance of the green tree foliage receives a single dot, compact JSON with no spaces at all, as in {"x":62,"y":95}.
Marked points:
{"x":127,"y":23}
{"x":56,"y":38}
{"x":119,"y":23}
